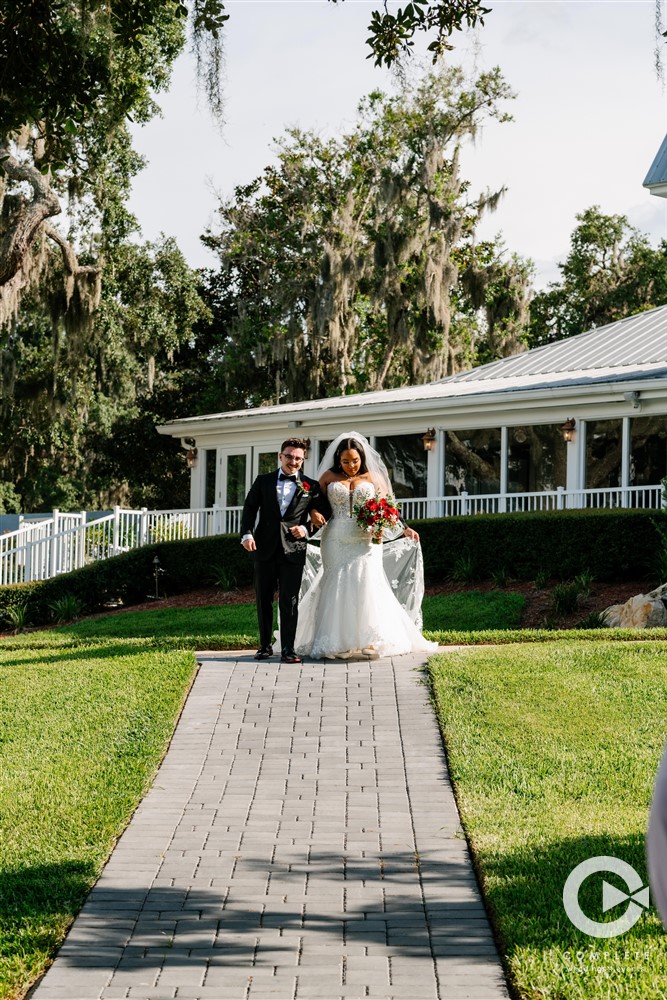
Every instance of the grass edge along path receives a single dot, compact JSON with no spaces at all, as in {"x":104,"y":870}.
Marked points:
{"x":552,"y":751}
{"x":84,"y":732}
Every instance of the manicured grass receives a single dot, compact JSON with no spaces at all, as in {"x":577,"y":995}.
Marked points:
{"x":473,"y":611}
{"x":219,"y":623}
{"x":553,"y":750}
{"x":234,"y":626}
{"x":83,"y":731}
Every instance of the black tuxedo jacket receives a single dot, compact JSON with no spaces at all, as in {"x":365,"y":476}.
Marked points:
{"x":272,"y":532}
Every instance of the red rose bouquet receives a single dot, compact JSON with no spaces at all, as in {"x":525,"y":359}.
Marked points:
{"x":376,"y":514}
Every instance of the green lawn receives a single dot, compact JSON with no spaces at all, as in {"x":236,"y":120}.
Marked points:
{"x":83,"y":732}
{"x":553,"y":750}
{"x":553,"y":747}
{"x":234,"y":626}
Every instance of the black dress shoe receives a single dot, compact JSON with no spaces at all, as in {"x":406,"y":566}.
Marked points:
{"x":264,"y":652}
{"x":289,"y":656}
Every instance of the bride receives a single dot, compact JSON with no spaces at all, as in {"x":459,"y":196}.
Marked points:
{"x":347,"y":605}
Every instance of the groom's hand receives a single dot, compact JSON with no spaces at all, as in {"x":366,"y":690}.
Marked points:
{"x":299,"y":531}
{"x":249,"y":544}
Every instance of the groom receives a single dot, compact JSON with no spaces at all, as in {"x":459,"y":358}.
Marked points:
{"x":284,"y":500}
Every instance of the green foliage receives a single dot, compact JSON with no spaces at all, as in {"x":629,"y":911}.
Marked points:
{"x":17,"y":616}
{"x":500,"y":577}
{"x":611,"y":271}
{"x":583,"y":581}
{"x":73,"y":439}
{"x":391,"y":36}
{"x":609,"y":544}
{"x":223,"y":576}
{"x":594,"y":620}
{"x":67,"y":608}
{"x":10,"y":501}
{"x":542,"y":578}
{"x":352,"y":263}
{"x":464,"y":569}
{"x":565,"y":598}
{"x":129,"y":577}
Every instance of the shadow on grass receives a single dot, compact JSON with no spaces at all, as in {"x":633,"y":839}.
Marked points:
{"x":88,"y":651}
{"x":524,"y":891}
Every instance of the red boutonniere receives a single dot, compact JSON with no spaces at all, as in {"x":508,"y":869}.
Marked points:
{"x":303,"y":488}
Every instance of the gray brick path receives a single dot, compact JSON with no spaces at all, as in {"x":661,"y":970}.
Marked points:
{"x":300,"y":841}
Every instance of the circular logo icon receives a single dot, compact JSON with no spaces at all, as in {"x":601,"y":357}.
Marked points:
{"x":637,"y":897}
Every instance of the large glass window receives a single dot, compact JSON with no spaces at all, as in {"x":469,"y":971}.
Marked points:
{"x":604,"y":450}
{"x":236,"y":489}
{"x":267,"y":461}
{"x":209,"y":482}
{"x":648,"y":451}
{"x":536,"y":459}
{"x":405,"y":459}
{"x":472,"y":461}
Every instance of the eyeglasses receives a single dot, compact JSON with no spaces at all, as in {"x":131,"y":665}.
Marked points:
{"x":291,"y":456}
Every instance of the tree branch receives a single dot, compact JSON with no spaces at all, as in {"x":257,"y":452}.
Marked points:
{"x":16,"y":241}
{"x":70,"y":259}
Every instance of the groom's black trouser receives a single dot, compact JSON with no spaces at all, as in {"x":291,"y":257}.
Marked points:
{"x":278,"y":573}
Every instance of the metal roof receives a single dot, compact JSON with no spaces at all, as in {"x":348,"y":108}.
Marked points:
{"x":636,"y":342}
{"x":628,"y":350}
{"x":657,"y":175}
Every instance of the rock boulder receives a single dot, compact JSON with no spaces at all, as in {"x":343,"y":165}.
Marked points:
{"x":643,"y":611}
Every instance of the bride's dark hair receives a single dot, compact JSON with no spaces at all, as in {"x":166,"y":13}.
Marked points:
{"x":349,"y":444}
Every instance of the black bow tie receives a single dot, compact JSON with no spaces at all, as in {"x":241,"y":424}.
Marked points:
{"x":283,"y":476}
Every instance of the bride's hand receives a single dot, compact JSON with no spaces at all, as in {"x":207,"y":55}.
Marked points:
{"x":317,"y":519}
{"x":411,"y":534}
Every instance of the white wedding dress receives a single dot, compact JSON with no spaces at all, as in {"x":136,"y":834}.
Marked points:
{"x":347,"y":602}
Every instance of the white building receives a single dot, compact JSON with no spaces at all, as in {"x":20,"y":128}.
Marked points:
{"x":581,"y":422}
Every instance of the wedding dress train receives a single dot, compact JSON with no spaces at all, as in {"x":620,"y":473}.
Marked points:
{"x":347,"y":602}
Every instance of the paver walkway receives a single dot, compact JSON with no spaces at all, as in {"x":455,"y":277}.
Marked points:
{"x":300,"y":841}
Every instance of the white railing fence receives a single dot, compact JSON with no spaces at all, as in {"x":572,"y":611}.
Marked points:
{"x":39,"y":550}
{"x":635,"y":497}
{"x":64,"y":542}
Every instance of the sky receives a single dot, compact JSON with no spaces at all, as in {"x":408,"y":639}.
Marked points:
{"x":589,"y":116}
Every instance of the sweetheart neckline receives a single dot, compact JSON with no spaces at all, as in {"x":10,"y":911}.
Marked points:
{"x":341,"y":482}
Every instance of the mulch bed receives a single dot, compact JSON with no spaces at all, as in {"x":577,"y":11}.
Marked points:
{"x":537,"y":609}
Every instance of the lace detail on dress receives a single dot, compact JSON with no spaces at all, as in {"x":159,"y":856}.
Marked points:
{"x":342,"y":499}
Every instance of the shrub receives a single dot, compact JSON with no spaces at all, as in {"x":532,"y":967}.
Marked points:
{"x":66,"y":608}
{"x":611,"y":545}
{"x":565,"y":598}
{"x":583,"y":582}
{"x":17,"y":616}
{"x":500,"y":577}
{"x":129,"y":578}
{"x":464,"y":570}
{"x":223,"y":577}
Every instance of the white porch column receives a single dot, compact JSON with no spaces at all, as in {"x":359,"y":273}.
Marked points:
{"x":625,"y":461}
{"x":576,"y":461}
{"x":435,"y":472}
{"x":504,"y":454}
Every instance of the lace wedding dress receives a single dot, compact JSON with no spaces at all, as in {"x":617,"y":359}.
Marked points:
{"x":348,"y":603}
